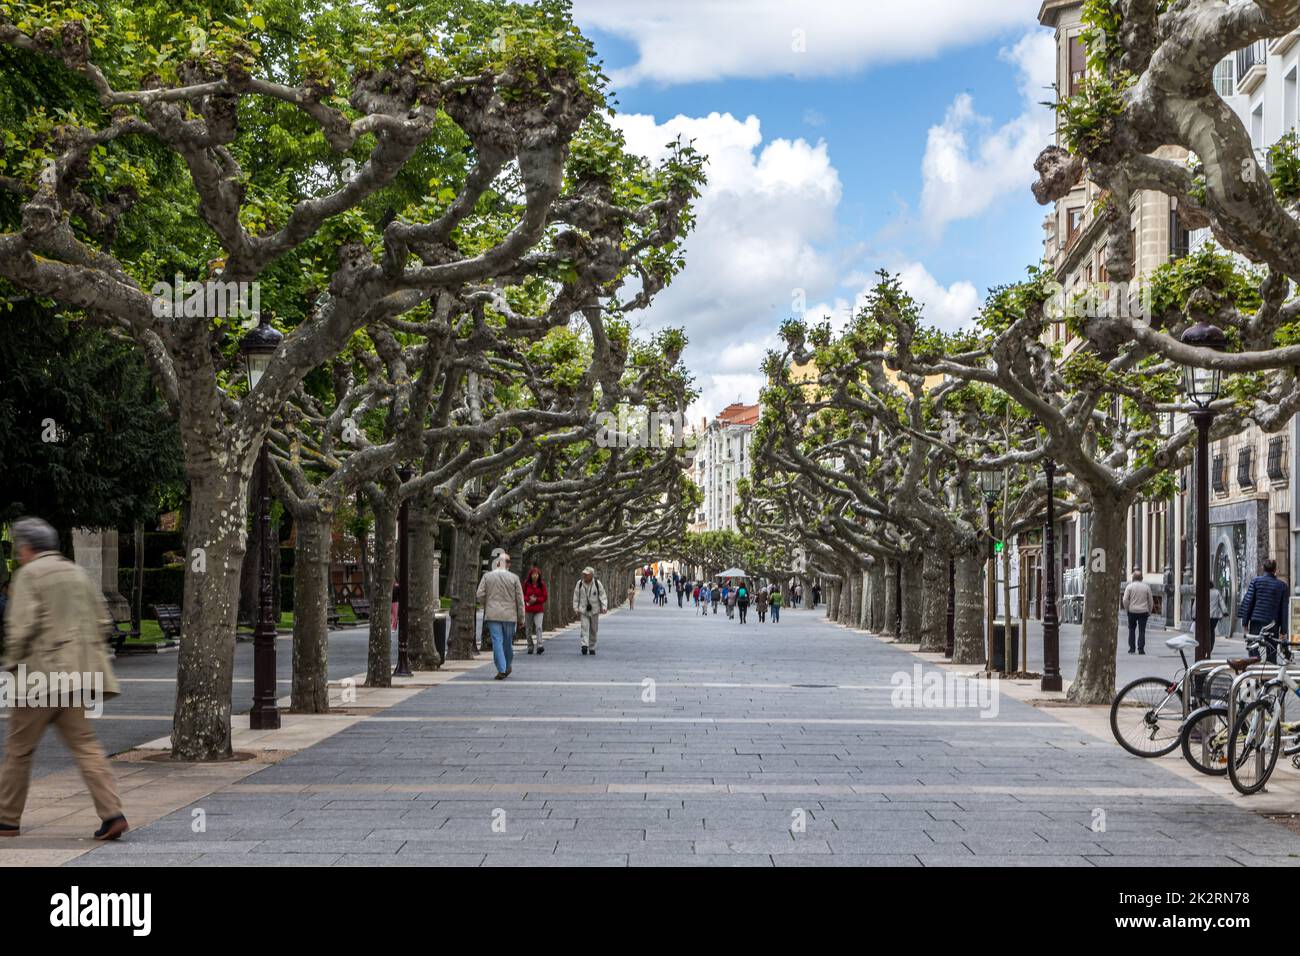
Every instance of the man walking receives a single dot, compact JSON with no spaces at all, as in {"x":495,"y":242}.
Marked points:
{"x":742,"y":600}
{"x":590,"y":602}
{"x":775,"y":601}
{"x":1265,"y":602}
{"x":1137,"y":603}
{"x":54,"y":627}
{"x":502,"y":596}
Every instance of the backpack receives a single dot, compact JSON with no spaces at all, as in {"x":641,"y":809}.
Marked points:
{"x":742,"y":593}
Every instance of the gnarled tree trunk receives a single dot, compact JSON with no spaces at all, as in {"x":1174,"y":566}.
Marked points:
{"x":464,"y":587}
{"x":422,"y":526}
{"x":934,"y":600}
{"x":383,"y":568}
{"x":913,"y":595}
{"x":968,"y":615}
{"x":311,"y":597}
{"x":1094,"y":683}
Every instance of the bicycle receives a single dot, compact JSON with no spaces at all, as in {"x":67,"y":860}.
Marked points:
{"x":1205,"y":735}
{"x":1153,"y":725}
{"x":1257,"y":737}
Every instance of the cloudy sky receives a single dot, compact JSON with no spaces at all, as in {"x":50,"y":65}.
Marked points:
{"x":844,"y":136}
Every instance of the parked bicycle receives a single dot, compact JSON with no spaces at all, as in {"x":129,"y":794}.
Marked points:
{"x":1261,"y":730}
{"x":1206,"y":734}
{"x":1146,"y":717}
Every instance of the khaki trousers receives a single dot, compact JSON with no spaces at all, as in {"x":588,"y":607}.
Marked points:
{"x":26,"y":727}
{"x":590,"y":626}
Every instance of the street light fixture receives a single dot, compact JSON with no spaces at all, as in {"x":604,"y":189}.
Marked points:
{"x":991,"y":485}
{"x":1202,"y":386}
{"x":258,"y":348}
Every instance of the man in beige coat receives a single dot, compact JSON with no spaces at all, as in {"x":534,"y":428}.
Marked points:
{"x":55,"y":643}
{"x":502,"y":596}
{"x":589,"y":603}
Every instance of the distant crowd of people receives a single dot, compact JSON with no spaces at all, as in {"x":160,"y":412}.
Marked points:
{"x":736,"y":596}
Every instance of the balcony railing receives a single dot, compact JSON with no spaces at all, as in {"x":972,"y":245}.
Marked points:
{"x":1255,"y":55}
{"x":1246,"y":467}
{"x":1277,"y":459}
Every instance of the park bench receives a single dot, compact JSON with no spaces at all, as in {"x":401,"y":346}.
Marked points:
{"x":169,"y":619}
{"x":117,"y":636}
{"x":360,"y":608}
{"x":332,"y":616}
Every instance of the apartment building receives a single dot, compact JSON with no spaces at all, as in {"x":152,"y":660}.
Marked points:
{"x":1252,"y":497}
{"x":721,"y":460}
{"x":1074,"y":247}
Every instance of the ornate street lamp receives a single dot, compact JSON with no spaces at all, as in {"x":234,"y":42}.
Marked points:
{"x":403,"y":582}
{"x":991,"y":485}
{"x":1202,"y":387}
{"x":258,"y":347}
{"x":1051,"y":625}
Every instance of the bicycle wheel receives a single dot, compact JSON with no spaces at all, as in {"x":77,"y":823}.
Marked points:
{"x":1205,"y":740}
{"x":1253,"y":746}
{"x":1147,"y":715}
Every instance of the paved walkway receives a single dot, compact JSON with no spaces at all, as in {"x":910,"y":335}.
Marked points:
{"x":757,"y":745}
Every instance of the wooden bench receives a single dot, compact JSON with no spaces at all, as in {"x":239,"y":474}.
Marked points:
{"x":117,"y":636}
{"x":360,"y":607}
{"x":332,"y":616}
{"x":169,"y":619}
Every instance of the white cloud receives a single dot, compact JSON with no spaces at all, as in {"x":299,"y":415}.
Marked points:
{"x":764,"y":224}
{"x":949,"y":307}
{"x":682,"y":42}
{"x":968,"y":165}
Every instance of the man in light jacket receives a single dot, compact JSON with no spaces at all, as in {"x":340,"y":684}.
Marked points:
{"x":590,"y":602}
{"x":502,"y":596}
{"x":55,"y":626}
{"x":1137,"y":602}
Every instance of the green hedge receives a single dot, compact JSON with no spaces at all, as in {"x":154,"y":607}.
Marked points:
{"x":161,"y":585}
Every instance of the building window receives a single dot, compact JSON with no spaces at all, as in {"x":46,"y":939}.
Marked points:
{"x":1078,"y":63}
{"x":1277,"y":458}
{"x":1180,"y":239}
{"x":1225,"y":77}
{"x":1246,"y":467}
{"x":1218,"y":475}
{"x":1073,"y":222}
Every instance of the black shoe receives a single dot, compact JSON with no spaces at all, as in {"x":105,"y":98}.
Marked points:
{"x":112,"y":828}
{"x":1130,"y":650}
{"x":501,"y":675}
{"x":540,"y":649}
{"x":592,"y":651}
{"x":584,"y":649}
{"x":509,"y":670}
{"x":8,"y":830}
{"x":530,"y":650}
{"x":1142,"y":650}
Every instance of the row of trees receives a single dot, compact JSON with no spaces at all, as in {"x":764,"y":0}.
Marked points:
{"x":434,"y":207}
{"x":874,"y":467}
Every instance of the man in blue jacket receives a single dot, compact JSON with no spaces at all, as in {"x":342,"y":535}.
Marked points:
{"x":1265,"y":601}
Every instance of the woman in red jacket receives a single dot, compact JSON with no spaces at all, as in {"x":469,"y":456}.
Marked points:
{"x":534,"y":606}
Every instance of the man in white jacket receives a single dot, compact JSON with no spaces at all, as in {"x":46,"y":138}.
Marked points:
{"x":1137,"y":602}
{"x":502,"y":597}
{"x":590,"y":602}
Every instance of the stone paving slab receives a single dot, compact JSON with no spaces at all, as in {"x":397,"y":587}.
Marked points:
{"x":730,"y":762}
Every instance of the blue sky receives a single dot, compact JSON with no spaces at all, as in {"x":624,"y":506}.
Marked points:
{"x":845,"y":137}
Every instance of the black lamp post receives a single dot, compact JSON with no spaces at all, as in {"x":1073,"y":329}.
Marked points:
{"x":1051,"y":626}
{"x":403,"y":582}
{"x":991,"y":484}
{"x":258,"y":347}
{"x":1202,"y":388}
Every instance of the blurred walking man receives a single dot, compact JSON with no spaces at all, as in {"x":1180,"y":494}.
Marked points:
{"x":55,"y":624}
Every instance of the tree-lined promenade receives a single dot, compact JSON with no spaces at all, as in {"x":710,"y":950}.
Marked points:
{"x":450,"y":243}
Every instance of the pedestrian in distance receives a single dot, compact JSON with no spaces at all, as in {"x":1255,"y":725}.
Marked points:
{"x":535,"y":608}
{"x":502,"y":596}
{"x":816,"y":595}
{"x":1136,"y":602}
{"x":742,"y":600}
{"x":589,"y":603}
{"x":1265,"y":602}
{"x":715,"y":596}
{"x":55,"y":622}
{"x":1218,"y":611}
{"x":774,"y":601}
{"x":761,"y":603}
{"x":731,"y":603}
{"x":680,"y":592}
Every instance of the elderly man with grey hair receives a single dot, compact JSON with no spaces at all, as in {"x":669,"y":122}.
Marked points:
{"x":589,"y":603}
{"x":502,"y":595}
{"x":55,"y":626}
